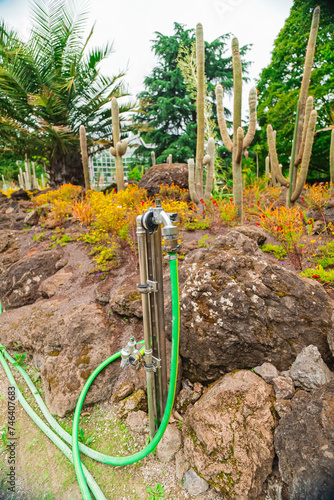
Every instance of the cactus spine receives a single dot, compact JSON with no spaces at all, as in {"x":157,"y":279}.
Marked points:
{"x":195,"y":171}
{"x":84,"y":155}
{"x":120,"y":147}
{"x":239,"y":143}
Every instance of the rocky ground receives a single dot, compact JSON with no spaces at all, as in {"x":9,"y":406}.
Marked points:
{"x":254,"y":411}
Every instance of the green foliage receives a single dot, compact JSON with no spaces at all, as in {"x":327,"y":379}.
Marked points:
{"x":325,"y":256}
{"x":20,"y":357}
{"x":156,"y":493}
{"x":195,"y":224}
{"x":136,"y":173}
{"x":319,"y":274}
{"x":4,"y":436}
{"x":50,"y":85}
{"x":167,"y":112}
{"x":278,"y":250}
{"x":60,"y":239}
{"x":280,"y":82}
{"x":203,"y":242}
{"x":83,"y":439}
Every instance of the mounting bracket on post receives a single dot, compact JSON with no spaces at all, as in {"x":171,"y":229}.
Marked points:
{"x":151,"y":286}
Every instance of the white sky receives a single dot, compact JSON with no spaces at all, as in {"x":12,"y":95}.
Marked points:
{"x":131,"y":26}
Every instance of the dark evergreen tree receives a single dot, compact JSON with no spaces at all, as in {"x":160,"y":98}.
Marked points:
{"x":167,"y":112}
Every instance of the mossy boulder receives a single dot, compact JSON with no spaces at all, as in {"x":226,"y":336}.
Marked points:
{"x":228,"y":435}
{"x":239,"y":311}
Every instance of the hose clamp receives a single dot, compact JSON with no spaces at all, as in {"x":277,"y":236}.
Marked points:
{"x":172,"y":257}
{"x":154,"y":366}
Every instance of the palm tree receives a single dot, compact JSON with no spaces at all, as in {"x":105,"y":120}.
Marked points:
{"x":52,"y":84}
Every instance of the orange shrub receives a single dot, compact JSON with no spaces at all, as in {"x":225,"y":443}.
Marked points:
{"x":317,"y":196}
{"x":83,"y":211}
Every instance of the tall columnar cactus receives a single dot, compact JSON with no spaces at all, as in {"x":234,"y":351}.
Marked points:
{"x":195,"y":171}
{"x":310,"y":119}
{"x":200,"y":61}
{"x":239,"y":143}
{"x":120,"y":147}
{"x":303,"y":99}
{"x":304,"y":131}
{"x":84,"y":155}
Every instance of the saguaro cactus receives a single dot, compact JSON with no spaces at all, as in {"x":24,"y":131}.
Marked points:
{"x":84,"y":155}
{"x":239,"y":143}
{"x":120,"y":147}
{"x":196,"y":183}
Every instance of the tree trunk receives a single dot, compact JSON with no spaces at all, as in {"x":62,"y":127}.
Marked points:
{"x":66,"y":170}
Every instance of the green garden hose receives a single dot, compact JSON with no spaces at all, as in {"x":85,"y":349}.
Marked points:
{"x":85,"y":480}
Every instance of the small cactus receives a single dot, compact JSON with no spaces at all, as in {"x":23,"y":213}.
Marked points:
{"x":153,"y":158}
{"x":84,"y":155}
{"x":240,"y":143}
{"x":120,"y":147}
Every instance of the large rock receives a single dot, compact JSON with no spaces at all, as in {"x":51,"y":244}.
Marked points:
{"x":67,"y":344}
{"x":8,"y":249}
{"x":228,"y":435}
{"x":304,"y":443}
{"x":309,"y":371}
{"x":166,"y":174}
{"x":238,"y":311}
{"x":19,"y":286}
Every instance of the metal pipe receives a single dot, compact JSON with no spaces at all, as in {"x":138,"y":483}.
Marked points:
{"x":142,"y":257}
{"x":160,"y":321}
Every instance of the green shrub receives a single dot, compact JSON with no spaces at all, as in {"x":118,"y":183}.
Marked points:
{"x":325,"y":257}
{"x":278,"y":250}
{"x":319,"y":274}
